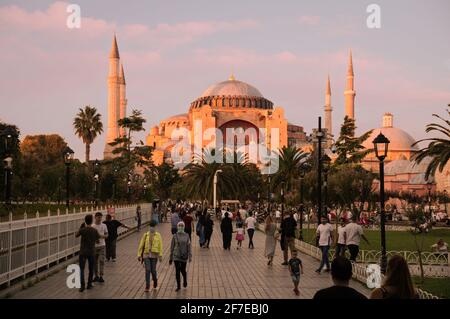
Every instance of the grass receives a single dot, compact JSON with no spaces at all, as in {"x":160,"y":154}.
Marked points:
{"x":395,"y":240}
{"x":437,"y":286}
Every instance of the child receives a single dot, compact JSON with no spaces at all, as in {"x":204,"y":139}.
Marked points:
{"x":240,"y":233}
{"x":295,"y":268}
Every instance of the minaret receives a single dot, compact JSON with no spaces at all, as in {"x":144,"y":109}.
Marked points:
{"x":123,"y":97}
{"x":328,"y":109}
{"x":349,"y":90}
{"x":113,"y":98}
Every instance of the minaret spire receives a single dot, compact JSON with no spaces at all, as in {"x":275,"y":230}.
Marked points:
{"x":114,"y":97}
{"x":328,"y":111}
{"x":350,"y":90}
{"x":123,"y":98}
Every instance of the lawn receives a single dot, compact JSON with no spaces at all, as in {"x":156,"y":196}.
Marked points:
{"x":395,"y":240}
{"x":437,"y":286}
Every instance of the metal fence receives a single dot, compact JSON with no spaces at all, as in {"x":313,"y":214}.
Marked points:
{"x":359,"y":269}
{"x":31,"y":244}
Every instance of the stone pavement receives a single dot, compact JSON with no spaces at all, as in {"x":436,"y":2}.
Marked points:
{"x":213,"y":273}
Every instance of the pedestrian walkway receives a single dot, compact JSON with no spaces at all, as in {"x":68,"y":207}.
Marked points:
{"x":213,"y":273}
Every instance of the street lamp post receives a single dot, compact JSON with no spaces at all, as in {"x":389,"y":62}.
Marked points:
{"x":114,"y":184}
{"x":381,"y":144}
{"x":215,"y":189}
{"x":429,"y":187}
{"x":326,"y":160}
{"x":302,"y":176}
{"x":445,"y":202}
{"x":9,"y":134}
{"x":68,"y":157}
{"x":319,"y":136}
{"x":96,"y":181}
{"x":282,"y":201}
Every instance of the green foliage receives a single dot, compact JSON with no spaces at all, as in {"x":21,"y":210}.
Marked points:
{"x":290,"y":161}
{"x":88,"y":125}
{"x":348,"y":147}
{"x":162,"y":178}
{"x":438,"y":148}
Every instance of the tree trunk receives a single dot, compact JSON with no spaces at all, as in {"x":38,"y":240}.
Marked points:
{"x":88,"y":152}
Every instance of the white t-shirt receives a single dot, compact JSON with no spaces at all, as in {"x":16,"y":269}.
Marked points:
{"x":277,"y":214}
{"x":296,"y":216}
{"x":102,"y":230}
{"x":354,"y":232}
{"x":325,"y":232}
{"x":341,"y":231}
{"x":250,"y":222}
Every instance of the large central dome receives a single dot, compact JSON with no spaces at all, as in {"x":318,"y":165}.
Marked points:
{"x":232,"y":87}
{"x":232,"y":94}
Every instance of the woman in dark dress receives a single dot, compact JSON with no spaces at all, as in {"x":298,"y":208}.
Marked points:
{"x":208,"y":228}
{"x":226,"y":227}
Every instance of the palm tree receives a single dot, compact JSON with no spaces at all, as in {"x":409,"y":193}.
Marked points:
{"x":88,"y":125}
{"x":438,"y":148}
{"x":291,"y":158}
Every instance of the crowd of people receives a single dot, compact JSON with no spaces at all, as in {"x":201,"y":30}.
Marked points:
{"x":98,"y":244}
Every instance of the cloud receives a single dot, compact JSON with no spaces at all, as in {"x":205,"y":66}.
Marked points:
{"x":310,"y":20}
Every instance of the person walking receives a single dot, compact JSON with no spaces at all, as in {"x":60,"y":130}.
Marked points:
{"x":250,"y":223}
{"x":208,"y":229}
{"x":188,"y":222}
{"x":200,"y":228}
{"x":111,"y":241}
{"x":226,"y":227}
{"x":240,"y":234}
{"x":100,"y":248}
{"x":138,"y":217}
{"x":397,"y":282}
{"x":341,"y":242}
{"x":295,"y":269}
{"x":89,"y":236}
{"x":288,"y":227}
{"x":270,"y":244}
{"x":341,"y":273}
{"x":149,"y":252}
{"x":174,"y":220}
{"x":324,"y":235}
{"x":353,"y":235}
{"x":180,"y":254}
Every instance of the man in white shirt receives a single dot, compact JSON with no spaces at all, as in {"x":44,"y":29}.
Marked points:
{"x":325,"y":236}
{"x":353,"y":234}
{"x":100,"y":248}
{"x":340,"y":247}
{"x":250,"y":225}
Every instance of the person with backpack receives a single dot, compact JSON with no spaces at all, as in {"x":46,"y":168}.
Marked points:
{"x":180,"y":254}
{"x":149,"y":252}
{"x":174,"y":220}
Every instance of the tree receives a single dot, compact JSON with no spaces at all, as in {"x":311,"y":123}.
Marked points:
{"x":291,"y":158}
{"x":163,"y":177}
{"x":348,"y":147}
{"x":438,"y":148}
{"x":88,"y":125}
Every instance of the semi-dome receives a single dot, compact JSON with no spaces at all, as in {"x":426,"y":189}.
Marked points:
{"x":399,"y":139}
{"x":232,"y":94}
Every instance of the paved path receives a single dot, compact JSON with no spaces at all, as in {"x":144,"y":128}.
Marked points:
{"x":213,"y":273}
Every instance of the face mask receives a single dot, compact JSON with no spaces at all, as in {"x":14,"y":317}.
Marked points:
{"x":152,"y":229}
{"x":181,"y":229}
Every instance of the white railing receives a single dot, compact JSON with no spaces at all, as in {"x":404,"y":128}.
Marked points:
{"x":31,"y":244}
{"x":359,"y":270}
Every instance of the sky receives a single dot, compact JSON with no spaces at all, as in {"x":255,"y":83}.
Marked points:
{"x":173,"y":50}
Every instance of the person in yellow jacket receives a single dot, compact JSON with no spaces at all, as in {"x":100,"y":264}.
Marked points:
{"x":149,"y":252}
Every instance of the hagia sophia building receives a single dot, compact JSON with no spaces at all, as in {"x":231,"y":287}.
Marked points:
{"x":234,"y":104}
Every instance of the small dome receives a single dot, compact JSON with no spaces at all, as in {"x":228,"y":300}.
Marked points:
{"x":420,"y":179}
{"x":232,"y":88}
{"x":178,"y":117}
{"x":415,"y":168}
{"x":397,"y":167}
{"x":399,"y":139}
